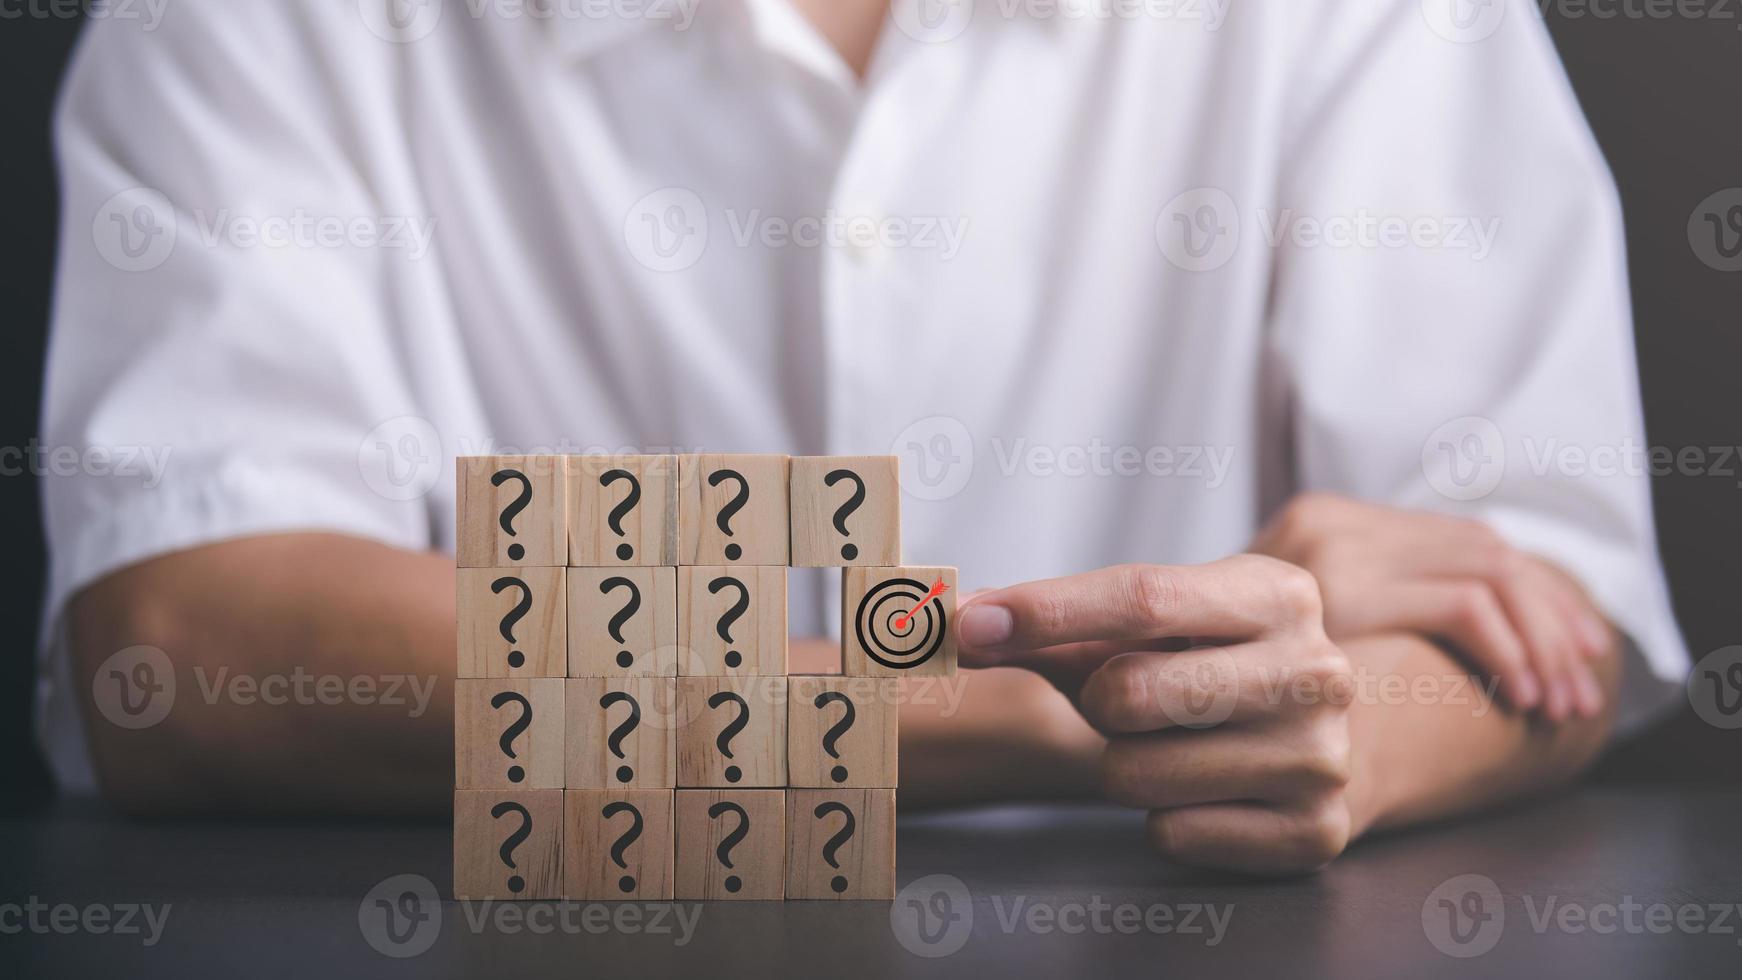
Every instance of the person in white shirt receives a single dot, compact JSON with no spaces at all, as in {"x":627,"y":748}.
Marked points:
{"x":1241,"y":336}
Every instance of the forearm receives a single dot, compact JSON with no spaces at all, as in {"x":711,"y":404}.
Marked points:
{"x":295,"y":608}
{"x":1449,"y":748}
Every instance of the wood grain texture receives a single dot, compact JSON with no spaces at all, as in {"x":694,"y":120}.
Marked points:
{"x":865,"y":741}
{"x":705,"y":820}
{"x":709,"y":596}
{"x":707,"y":707}
{"x":596,"y":822}
{"x":485,"y":711}
{"x":487,"y":489}
{"x":863,"y":865}
{"x":596,"y":708}
{"x":598,"y":487}
{"x":760,"y":527}
{"x":486,"y":819}
{"x":645,"y":642}
{"x":821,"y":486}
{"x":489,"y":599}
{"x":886,"y":632}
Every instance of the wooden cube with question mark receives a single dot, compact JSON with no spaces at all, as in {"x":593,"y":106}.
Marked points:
{"x":731,"y":621}
{"x":622,"y":510}
{"x":846,"y":510}
{"x":840,"y":844}
{"x":508,"y":844}
{"x":731,"y":731}
{"x":512,"y":622}
{"x":620,"y":732}
{"x":510,"y":512}
{"x":618,"y":844}
{"x":733,"y":509}
{"x":731,"y":844}
{"x":622,"y":622}
{"x":508,"y":734}
{"x":842,"y":731}
{"x":898,"y":622}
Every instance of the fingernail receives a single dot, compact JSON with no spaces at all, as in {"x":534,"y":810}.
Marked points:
{"x":1527,"y":692}
{"x":1559,"y":699}
{"x":985,"y":625}
{"x":1590,"y":694}
{"x":1594,"y":633}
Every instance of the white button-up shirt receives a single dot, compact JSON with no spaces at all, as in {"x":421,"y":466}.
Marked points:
{"x":1113,"y":278}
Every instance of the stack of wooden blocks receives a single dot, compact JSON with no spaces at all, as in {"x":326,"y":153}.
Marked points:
{"x":624,"y":723}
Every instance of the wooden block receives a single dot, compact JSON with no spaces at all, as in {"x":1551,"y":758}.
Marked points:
{"x":846,"y":510}
{"x":842,"y":731}
{"x":508,"y":843}
{"x":508,"y":734}
{"x":621,"y":732}
{"x":732,"y":509}
{"x":622,"y":510}
{"x":512,"y":622}
{"x":731,"y":844}
{"x":622,"y":622}
{"x":840,"y":843}
{"x":732,"y":731}
{"x":510,"y":512}
{"x":618,"y":844}
{"x":895,"y":622}
{"x":731,"y":621}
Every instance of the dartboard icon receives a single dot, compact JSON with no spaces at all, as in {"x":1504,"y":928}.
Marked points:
{"x":901,"y":623}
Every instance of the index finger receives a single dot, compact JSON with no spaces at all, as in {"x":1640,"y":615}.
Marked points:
{"x":1240,"y":598}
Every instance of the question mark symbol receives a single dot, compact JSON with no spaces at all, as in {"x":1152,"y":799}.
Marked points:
{"x":731,"y":840}
{"x":615,"y":740}
{"x":732,"y":615}
{"x":615,"y":627}
{"x":515,"y":551}
{"x":516,"y":884}
{"x":733,"y":506}
{"x":633,"y":497}
{"x":849,"y":551}
{"x":515,"y":615}
{"x":514,"y":731}
{"x":736,"y":725}
{"x":833,"y":735}
{"x":627,"y":882}
{"x":842,"y":836}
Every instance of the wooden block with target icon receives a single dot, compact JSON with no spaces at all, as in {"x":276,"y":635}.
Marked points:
{"x":731,"y":844}
{"x":622,"y":510}
{"x":898,"y":622}
{"x":731,"y":621}
{"x":846,"y":510}
{"x":618,"y":844}
{"x":840,"y":844}
{"x":510,"y":512}
{"x":512,"y":622}
{"x":842,"y":731}
{"x":508,"y":844}
{"x":731,"y":731}
{"x":733,"y":509}
{"x":620,"y":732}
{"x":508,"y":734}
{"x":622,"y":622}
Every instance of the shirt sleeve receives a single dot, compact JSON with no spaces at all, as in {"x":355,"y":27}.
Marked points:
{"x":1450,"y":301}
{"x":222,"y":330}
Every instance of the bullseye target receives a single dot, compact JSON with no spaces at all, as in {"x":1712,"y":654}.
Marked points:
{"x":900,"y":624}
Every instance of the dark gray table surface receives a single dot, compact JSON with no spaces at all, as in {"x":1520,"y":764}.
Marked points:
{"x":1032,"y":891}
